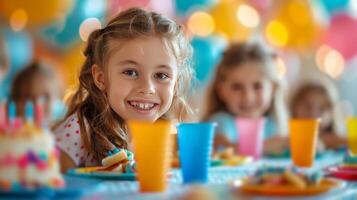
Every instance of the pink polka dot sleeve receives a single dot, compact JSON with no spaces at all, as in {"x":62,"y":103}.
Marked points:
{"x":68,"y":139}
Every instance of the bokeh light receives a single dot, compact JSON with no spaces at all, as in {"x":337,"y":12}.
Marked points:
{"x":320,"y":56}
{"x":88,"y":26}
{"x":18,"y":19}
{"x":201,"y":24}
{"x":293,"y":26}
{"x":353,"y":8}
{"x":334,"y":63}
{"x":281,"y":67}
{"x":276,"y":33}
{"x":330,"y":61}
{"x":248,"y":16}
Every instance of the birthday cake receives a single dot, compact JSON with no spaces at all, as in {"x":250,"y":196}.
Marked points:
{"x":28,"y":157}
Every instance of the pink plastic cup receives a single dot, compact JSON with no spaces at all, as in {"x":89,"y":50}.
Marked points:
{"x":250,"y":136}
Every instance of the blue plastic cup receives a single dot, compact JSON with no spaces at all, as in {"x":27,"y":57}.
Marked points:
{"x":195,"y":141}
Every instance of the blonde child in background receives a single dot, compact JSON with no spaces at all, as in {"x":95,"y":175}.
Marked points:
{"x":318,"y":97}
{"x":246,"y":84}
{"x":38,"y":82}
{"x":136,"y":68}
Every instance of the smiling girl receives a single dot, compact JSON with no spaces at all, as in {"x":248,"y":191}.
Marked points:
{"x":136,"y":68}
{"x":246,"y":84}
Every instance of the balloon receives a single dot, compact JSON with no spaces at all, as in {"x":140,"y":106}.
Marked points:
{"x":35,"y":12}
{"x":341,"y":35}
{"x":67,"y":33}
{"x":116,"y":6}
{"x":333,"y":6}
{"x":72,"y":63}
{"x":227,"y":23}
{"x":261,"y":5}
{"x":183,"y":7}
{"x":206,"y":55}
{"x":165,"y":7}
{"x":293,"y":26}
{"x":18,"y":48}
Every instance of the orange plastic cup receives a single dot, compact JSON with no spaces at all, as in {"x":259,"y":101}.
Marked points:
{"x":152,"y":150}
{"x":303,"y":141}
{"x":352,"y":134}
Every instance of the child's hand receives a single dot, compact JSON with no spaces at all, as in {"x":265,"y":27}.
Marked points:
{"x":66,"y":162}
{"x":333,"y":141}
{"x":221,"y":141}
{"x":276,"y":144}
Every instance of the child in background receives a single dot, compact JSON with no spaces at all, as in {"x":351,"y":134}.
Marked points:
{"x":247,"y":85}
{"x":136,"y":68}
{"x":318,"y":98}
{"x":4,"y":65}
{"x":38,"y":82}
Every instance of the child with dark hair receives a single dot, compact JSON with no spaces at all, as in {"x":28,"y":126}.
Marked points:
{"x":38,"y":82}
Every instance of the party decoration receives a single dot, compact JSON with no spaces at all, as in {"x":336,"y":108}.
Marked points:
{"x":227,"y":22}
{"x":207,"y":53}
{"x":165,"y":7}
{"x":261,"y":5}
{"x":88,"y":26}
{"x":334,"y":6}
{"x":72,"y":62}
{"x":183,"y":7}
{"x":67,"y":33}
{"x":341,"y":35}
{"x":293,"y":26}
{"x":330,"y":61}
{"x":34,"y":12}
{"x":248,"y":16}
{"x":201,"y":24}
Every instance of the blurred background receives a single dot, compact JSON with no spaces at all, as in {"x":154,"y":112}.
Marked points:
{"x":309,"y":35}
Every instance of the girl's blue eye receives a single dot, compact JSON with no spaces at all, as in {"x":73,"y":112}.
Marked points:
{"x":131,"y":73}
{"x":161,"y":76}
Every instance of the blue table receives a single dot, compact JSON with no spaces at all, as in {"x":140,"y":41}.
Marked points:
{"x":218,"y":178}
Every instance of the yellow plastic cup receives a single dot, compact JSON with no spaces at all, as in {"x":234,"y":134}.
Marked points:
{"x":303,"y":141}
{"x":352,"y":134}
{"x":152,"y":152}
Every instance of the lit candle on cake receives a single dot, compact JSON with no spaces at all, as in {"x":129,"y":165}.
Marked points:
{"x":29,"y":112}
{"x":39,"y":115}
{"x":2,"y":115}
{"x":12,"y":112}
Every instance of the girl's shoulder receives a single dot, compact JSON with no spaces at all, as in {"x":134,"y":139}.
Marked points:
{"x":71,"y":122}
{"x":69,"y":140}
